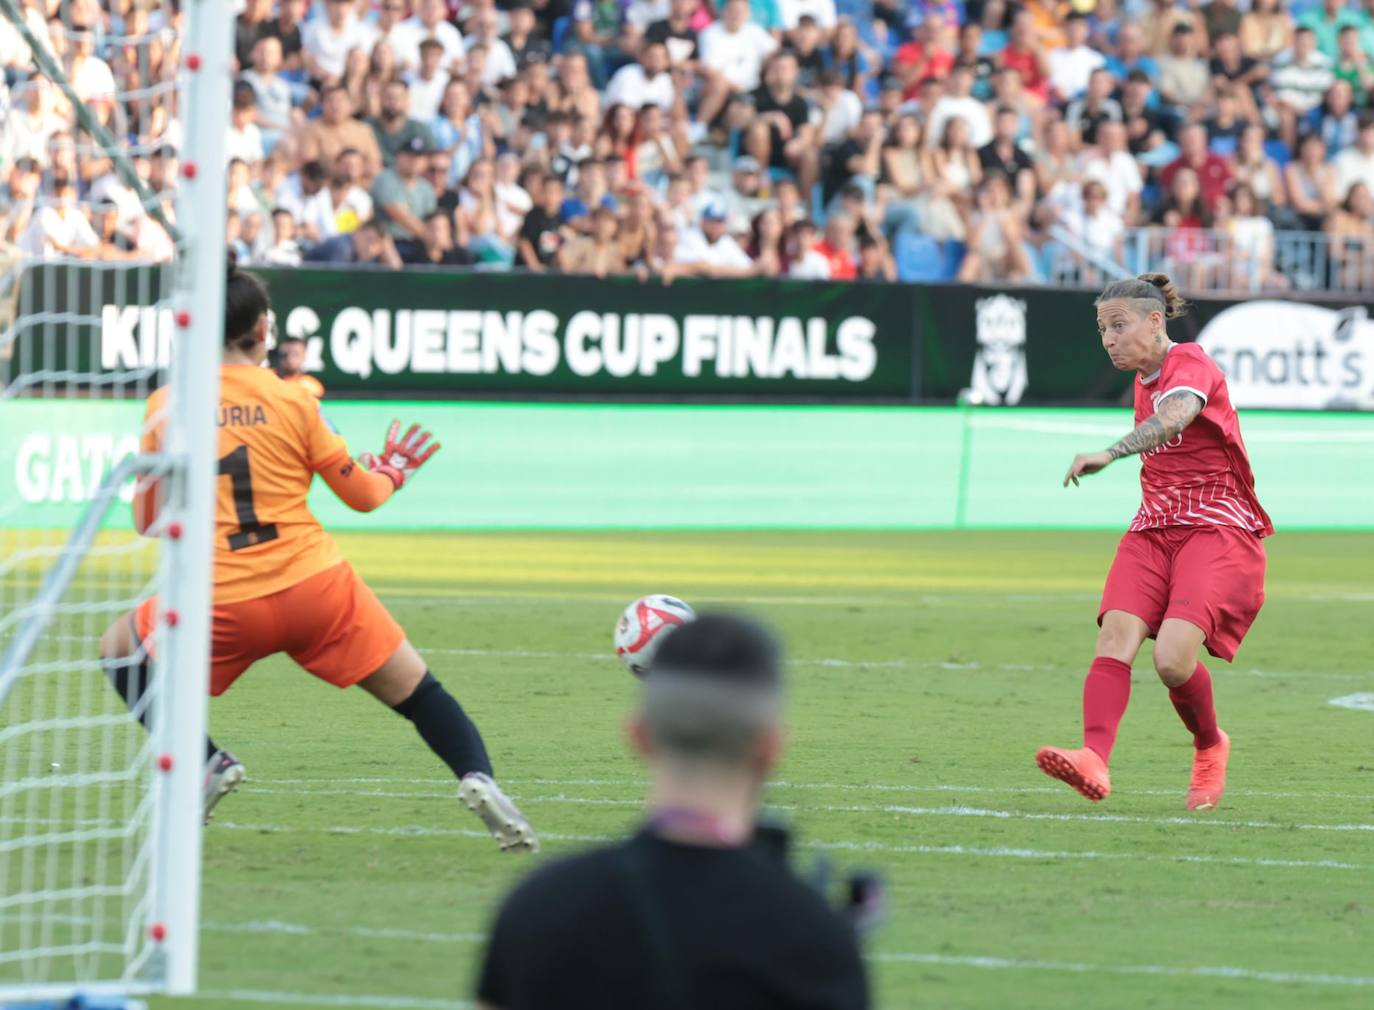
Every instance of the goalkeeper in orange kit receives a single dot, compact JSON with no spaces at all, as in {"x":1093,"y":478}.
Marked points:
{"x":280,"y":582}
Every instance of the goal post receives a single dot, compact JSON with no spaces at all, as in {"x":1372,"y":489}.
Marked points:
{"x":100,"y":819}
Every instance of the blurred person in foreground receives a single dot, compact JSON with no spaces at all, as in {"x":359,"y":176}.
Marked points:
{"x":288,"y":361}
{"x":692,"y":910}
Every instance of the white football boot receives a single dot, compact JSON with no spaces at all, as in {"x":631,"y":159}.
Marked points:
{"x":480,"y":794}
{"x":223,"y":774}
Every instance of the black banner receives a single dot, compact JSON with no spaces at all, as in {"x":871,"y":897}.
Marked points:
{"x":373,"y":333}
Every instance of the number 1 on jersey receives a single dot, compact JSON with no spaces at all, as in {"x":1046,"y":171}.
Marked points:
{"x":250,"y":531}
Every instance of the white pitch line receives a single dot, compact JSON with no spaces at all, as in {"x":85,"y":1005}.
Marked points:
{"x":892,"y":664}
{"x":322,"y":999}
{"x":1080,"y":967}
{"x":1363,"y":702}
{"x":640,"y":784}
{"x":1202,"y":821}
{"x":272,"y":927}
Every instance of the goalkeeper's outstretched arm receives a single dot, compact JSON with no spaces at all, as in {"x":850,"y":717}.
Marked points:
{"x":360,"y":489}
{"x":363,"y":484}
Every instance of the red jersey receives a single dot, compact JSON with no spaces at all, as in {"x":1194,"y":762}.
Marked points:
{"x":1202,"y":476}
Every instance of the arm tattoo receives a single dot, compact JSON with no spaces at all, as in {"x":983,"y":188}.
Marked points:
{"x":1173,"y":413}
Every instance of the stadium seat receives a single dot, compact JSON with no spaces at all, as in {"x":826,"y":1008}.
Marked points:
{"x":919,"y":258}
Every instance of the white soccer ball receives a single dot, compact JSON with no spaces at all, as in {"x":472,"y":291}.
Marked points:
{"x":642,"y":627}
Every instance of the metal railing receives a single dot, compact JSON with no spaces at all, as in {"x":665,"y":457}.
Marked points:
{"x":1251,"y":256}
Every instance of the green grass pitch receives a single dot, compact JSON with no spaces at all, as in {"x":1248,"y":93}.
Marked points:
{"x":925,"y":670}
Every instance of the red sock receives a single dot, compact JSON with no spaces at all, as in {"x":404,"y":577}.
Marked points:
{"x":1193,"y":701}
{"x":1106,"y":692}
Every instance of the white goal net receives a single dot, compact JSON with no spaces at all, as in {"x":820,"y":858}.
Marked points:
{"x":111,"y":285}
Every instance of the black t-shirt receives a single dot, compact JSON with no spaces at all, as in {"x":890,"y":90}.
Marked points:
{"x":540,"y":230}
{"x":291,"y":43}
{"x":809,"y":65}
{"x":837,"y":173}
{"x":1218,"y":69}
{"x":991,"y":160}
{"x":742,"y":931}
{"x":662,"y":31}
{"x":535,"y":50}
{"x":246,"y":35}
{"x":798,"y":113}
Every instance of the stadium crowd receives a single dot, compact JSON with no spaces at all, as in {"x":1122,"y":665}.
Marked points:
{"x":800,"y":138}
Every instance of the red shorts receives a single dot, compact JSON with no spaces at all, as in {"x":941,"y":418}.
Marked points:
{"x":1210,"y":576}
{"x":331,"y":624}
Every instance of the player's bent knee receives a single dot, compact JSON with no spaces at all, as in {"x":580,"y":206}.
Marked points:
{"x":1174,"y":665}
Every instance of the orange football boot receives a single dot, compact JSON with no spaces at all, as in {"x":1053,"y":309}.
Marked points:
{"x":1083,"y":769}
{"x":1209,"y":774}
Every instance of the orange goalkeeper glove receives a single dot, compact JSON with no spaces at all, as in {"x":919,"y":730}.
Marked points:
{"x":403,"y":455}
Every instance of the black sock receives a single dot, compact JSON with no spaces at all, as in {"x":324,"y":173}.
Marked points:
{"x":442,"y":723}
{"x":130,"y":678}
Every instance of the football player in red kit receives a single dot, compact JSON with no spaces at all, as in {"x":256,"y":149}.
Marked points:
{"x":1190,"y":571}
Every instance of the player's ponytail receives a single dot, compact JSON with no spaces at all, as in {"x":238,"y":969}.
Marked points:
{"x":1153,"y":292}
{"x":245,"y":302}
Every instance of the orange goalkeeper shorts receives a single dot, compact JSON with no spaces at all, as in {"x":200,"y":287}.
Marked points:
{"x":332,"y":624}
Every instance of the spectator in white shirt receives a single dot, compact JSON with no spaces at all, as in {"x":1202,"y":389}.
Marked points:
{"x":395,"y":30}
{"x":31,"y":124}
{"x":1110,"y":163}
{"x":1095,"y":224}
{"x":272,"y":90}
{"x":58,"y":228}
{"x":792,"y":11}
{"x":710,"y":251}
{"x":644,"y":83}
{"x":15,"y":54}
{"x":1356,"y":164}
{"x":484,"y":30}
{"x":90,"y":76}
{"x":733,"y":51}
{"x":244,"y":141}
{"x":428,"y":83}
{"x":959,"y":103}
{"x":430,"y":22}
{"x":1071,"y":65}
{"x":327,"y":40}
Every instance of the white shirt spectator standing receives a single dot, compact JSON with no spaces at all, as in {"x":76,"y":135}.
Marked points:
{"x":735,"y":47}
{"x":428,"y":83}
{"x":429,"y":23}
{"x":792,"y":11}
{"x":644,"y":83}
{"x":30,"y":124}
{"x":327,"y":40}
{"x":1073,"y":64}
{"x":960,"y":104}
{"x":484,"y":31}
{"x":395,"y":29}
{"x":1109,"y":163}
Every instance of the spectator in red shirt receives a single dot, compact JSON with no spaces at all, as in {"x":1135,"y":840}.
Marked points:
{"x":1025,"y":55}
{"x":1213,"y":173}
{"x":926,"y":56}
{"x":838,"y":247}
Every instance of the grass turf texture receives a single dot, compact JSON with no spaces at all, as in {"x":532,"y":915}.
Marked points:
{"x":926,"y":669}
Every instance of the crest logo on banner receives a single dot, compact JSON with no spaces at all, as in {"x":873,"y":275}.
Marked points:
{"x":999,"y":367}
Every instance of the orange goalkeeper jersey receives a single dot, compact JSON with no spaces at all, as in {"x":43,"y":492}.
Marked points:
{"x":272,"y":441}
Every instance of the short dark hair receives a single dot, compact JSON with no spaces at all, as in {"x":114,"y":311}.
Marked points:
{"x":713,"y":690}
{"x":720,"y":647}
{"x":245,"y":302}
{"x":314,"y":171}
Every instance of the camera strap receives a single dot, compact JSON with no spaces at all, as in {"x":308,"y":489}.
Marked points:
{"x":670,"y":984}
